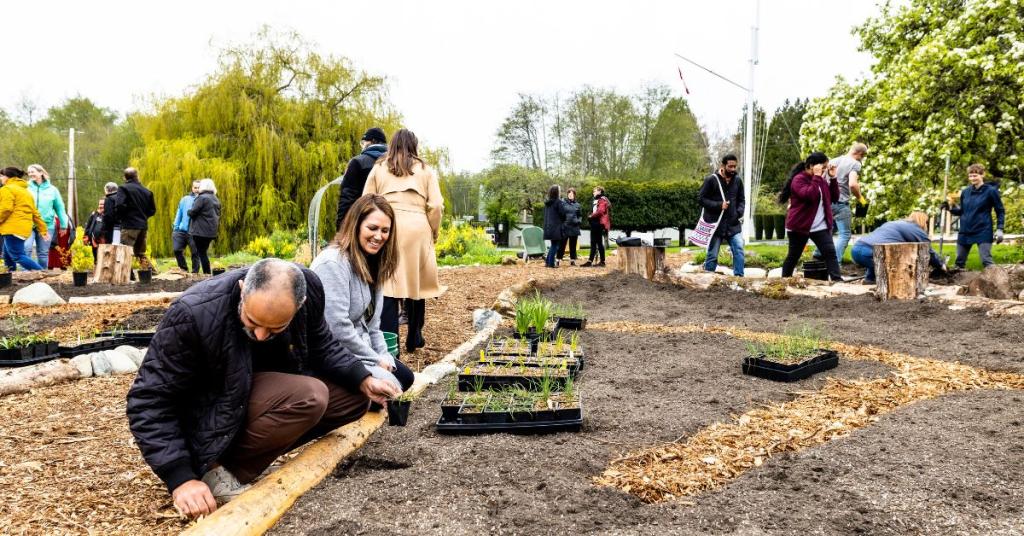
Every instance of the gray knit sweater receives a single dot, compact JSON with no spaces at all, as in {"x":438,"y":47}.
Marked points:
{"x":347,"y":298}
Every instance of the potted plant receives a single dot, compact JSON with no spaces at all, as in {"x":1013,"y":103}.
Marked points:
{"x":217,"y":268}
{"x":145,"y":274}
{"x":799,"y":353}
{"x":398,"y":409}
{"x":5,"y":276}
{"x":81,"y":263}
{"x":17,"y":348}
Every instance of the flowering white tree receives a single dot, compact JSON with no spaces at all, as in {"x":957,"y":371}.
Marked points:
{"x":949,"y":81}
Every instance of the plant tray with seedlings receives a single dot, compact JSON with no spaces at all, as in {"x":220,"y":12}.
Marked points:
{"x":569,"y":317}
{"x":512,"y":410}
{"x":796,"y":355}
{"x":570,"y":362}
{"x":790,"y":372}
{"x":23,"y":350}
{"x":91,"y":345}
{"x":133,"y":338}
{"x":507,"y":347}
{"x":531,"y":319}
{"x":488,"y":376}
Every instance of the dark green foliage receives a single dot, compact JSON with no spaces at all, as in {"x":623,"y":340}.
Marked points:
{"x":676,"y":148}
{"x":650,"y":205}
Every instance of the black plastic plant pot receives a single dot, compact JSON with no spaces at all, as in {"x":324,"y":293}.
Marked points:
{"x":763,"y":368}
{"x":38,"y":349}
{"x":469,"y":414}
{"x":218,"y":271}
{"x":145,"y":276}
{"x":398,"y":412}
{"x":574,"y":324}
{"x":80,"y":278}
{"x":450,"y":411}
{"x":815,"y":270}
{"x":780,"y":226}
{"x":5,"y":279}
{"x":662,"y":242}
{"x":52,"y":348}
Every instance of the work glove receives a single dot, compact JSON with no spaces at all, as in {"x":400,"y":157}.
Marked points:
{"x":999,"y":236}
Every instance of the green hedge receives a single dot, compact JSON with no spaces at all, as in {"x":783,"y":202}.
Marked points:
{"x":651,"y":205}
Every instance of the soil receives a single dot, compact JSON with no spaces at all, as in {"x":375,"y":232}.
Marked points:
{"x":918,"y":327}
{"x":65,"y":289}
{"x":934,"y":467}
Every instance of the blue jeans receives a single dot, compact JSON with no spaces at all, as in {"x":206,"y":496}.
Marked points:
{"x":14,"y":252}
{"x":735,"y":246}
{"x":552,"y":252}
{"x":843,"y":217}
{"x":42,"y":246}
{"x":864,"y":255}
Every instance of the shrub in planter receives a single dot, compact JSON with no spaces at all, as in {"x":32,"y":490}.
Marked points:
{"x":217,"y":268}
{"x":81,"y":263}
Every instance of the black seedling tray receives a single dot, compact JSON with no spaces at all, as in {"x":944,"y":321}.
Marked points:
{"x":761,"y":367}
{"x":502,"y":360}
{"x":499,"y":382}
{"x":92,"y":345}
{"x":521,"y":422}
{"x":132,"y":338}
{"x":28,"y":361}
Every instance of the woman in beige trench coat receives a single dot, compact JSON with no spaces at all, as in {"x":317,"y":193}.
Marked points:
{"x":411,"y":187}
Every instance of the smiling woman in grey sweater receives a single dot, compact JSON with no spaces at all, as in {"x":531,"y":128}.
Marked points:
{"x":360,"y":257}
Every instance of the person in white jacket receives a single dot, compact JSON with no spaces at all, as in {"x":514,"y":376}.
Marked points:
{"x":352,"y":268}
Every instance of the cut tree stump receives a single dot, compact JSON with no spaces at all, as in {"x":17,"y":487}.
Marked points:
{"x":644,"y":260}
{"x":113,"y":264}
{"x":901,"y":270}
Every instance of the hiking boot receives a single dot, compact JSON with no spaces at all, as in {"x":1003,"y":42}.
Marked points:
{"x":223,"y":485}
{"x":600,"y":264}
{"x":586,"y":264}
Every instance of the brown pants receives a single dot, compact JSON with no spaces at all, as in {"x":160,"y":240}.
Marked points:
{"x":286,"y":411}
{"x":136,"y":238}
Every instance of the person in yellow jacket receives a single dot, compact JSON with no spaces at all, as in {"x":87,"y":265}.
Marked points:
{"x":17,"y":215}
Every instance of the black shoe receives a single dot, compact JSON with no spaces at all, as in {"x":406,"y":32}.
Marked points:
{"x":600,"y":264}
{"x":586,"y":264}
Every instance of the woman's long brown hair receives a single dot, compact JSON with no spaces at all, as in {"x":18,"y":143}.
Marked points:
{"x":402,"y":154}
{"x":347,"y":240}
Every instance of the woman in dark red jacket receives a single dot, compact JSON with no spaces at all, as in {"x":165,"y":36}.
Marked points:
{"x":810,"y":196}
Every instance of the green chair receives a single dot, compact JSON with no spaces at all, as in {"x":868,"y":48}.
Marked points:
{"x":533,"y":242}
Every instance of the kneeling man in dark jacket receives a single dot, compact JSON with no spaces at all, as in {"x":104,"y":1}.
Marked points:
{"x":242,"y":368}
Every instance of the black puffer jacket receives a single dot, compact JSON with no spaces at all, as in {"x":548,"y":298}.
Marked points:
{"x":554,"y":218}
{"x":134,"y":206}
{"x":189,"y":398}
{"x":354,"y":179}
{"x":204,"y":216}
{"x":572,"y":219}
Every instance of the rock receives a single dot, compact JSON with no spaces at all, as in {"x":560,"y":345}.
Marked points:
{"x":438,"y":370}
{"x":133,"y":353}
{"x":481,"y":317}
{"x":994,"y":282}
{"x":38,"y":294}
{"x":1016,"y":274}
{"x":755,"y":273}
{"x":84,"y":365}
{"x":509,"y":260}
{"x":1021,"y":296}
{"x":171,"y":275}
{"x":690,"y":268}
{"x":775,"y":272}
{"x":110,"y":362}
{"x":506,"y":303}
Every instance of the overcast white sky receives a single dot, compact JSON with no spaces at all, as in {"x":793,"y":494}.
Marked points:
{"x":454,"y":67}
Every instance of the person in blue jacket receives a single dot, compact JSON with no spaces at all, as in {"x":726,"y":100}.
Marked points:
{"x":911,"y":229}
{"x":51,"y":207}
{"x":975,"y":210}
{"x":179,"y":231}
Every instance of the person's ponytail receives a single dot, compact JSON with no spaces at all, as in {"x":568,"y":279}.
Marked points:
{"x":787,"y":190}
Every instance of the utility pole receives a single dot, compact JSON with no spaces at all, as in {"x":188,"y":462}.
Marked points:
{"x":72,"y":189}
{"x":748,"y":144}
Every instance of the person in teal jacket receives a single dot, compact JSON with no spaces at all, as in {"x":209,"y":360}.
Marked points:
{"x":50,"y":206}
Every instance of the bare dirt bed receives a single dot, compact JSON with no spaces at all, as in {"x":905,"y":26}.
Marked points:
{"x":941,"y":466}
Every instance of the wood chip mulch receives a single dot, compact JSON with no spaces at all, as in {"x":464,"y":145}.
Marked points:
{"x":68,"y":463}
{"x":721,"y":452}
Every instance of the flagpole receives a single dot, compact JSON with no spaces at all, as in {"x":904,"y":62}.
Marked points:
{"x":748,"y":146}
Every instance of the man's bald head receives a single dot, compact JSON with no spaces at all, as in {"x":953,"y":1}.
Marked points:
{"x":272,"y":292}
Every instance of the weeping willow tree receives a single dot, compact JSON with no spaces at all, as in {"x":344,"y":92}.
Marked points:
{"x":275,"y":122}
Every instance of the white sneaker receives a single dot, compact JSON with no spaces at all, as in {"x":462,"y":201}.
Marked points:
{"x":223,"y":485}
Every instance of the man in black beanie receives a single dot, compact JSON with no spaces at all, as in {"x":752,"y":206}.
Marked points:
{"x":374,"y":145}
